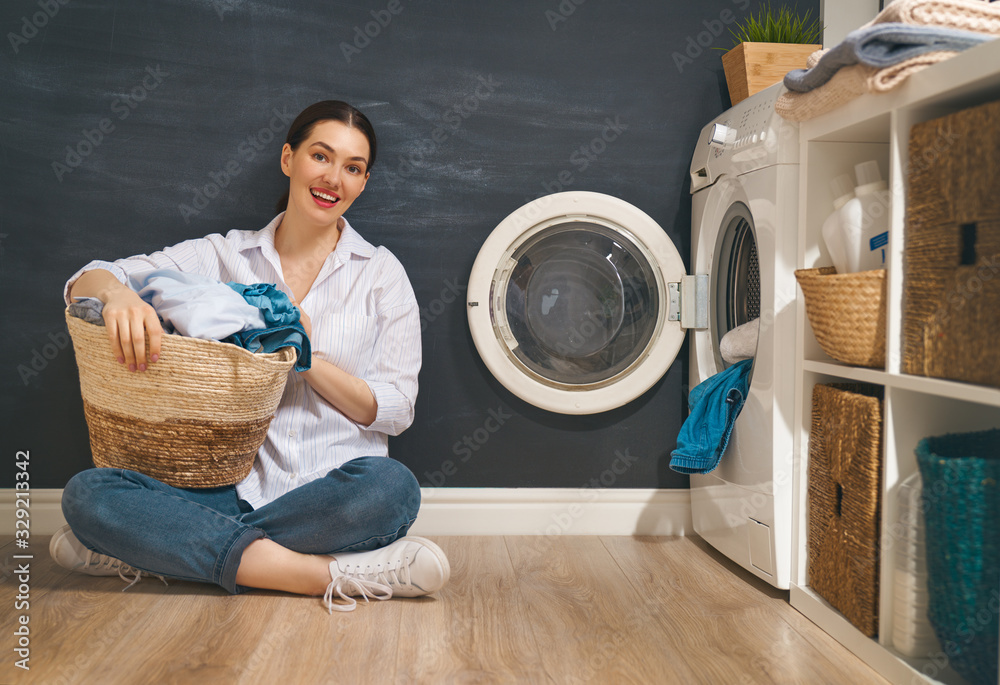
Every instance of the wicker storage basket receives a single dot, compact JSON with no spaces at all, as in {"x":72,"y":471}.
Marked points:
{"x":961,"y":497}
{"x":951,"y":248}
{"x":845,"y":448}
{"x":847,"y":313}
{"x":194,"y":419}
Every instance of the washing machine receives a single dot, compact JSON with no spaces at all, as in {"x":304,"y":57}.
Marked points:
{"x":578,"y":303}
{"x":744,"y":185}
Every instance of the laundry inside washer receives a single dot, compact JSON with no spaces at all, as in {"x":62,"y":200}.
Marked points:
{"x":581,"y":304}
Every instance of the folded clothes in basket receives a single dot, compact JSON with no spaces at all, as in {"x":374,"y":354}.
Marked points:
{"x":714,"y":403}
{"x":257,"y":317}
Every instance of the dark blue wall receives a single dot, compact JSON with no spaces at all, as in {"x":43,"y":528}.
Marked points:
{"x":128,"y":126}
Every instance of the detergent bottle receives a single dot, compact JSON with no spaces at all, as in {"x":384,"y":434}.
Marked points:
{"x":833,"y":228}
{"x":866,"y":225}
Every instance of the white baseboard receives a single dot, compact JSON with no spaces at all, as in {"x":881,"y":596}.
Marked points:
{"x":479,"y":511}
{"x":44,"y":511}
{"x":553,"y":511}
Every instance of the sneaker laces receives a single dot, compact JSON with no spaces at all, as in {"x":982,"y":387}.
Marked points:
{"x":392,"y":575}
{"x":362,"y":587}
{"x":97,"y":560}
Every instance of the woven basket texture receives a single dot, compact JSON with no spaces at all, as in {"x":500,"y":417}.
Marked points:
{"x":847,"y":313}
{"x":951,"y":253}
{"x":195,"y":418}
{"x":845,"y":448}
{"x":961,"y":499}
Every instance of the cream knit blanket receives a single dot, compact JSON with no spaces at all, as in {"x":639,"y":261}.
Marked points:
{"x":968,"y":15}
{"x":850,"y":82}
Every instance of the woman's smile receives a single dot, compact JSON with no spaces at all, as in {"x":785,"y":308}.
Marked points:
{"x":325,"y":198}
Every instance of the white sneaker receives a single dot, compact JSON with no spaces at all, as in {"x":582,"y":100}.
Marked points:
{"x":410,"y":567}
{"x":67,"y":551}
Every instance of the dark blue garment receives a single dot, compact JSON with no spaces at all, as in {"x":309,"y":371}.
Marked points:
{"x":282,"y":319}
{"x":881,"y":46}
{"x":714,"y":403}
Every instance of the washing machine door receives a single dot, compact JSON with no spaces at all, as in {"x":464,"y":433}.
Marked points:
{"x":569,"y":302}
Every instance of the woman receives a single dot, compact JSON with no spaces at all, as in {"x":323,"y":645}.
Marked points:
{"x":323,"y":511}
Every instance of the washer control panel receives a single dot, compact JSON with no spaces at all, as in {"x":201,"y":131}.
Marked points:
{"x":747,"y":137}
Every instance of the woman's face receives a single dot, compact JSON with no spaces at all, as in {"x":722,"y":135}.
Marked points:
{"x":327,"y":172}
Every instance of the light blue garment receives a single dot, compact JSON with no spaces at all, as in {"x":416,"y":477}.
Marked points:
{"x":195,"y":306}
{"x":200,"y":534}
{"x":880,"y":46}
{"x":714,"y":403}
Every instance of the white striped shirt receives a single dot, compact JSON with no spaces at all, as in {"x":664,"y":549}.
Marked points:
{"x":365,"y":321}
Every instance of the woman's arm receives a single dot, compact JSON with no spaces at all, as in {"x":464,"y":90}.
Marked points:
{"x":127,"y":318}
{"x":382,"y":394}
{"x":350,"y":395}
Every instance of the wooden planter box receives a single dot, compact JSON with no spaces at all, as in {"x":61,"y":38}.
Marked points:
{"x":752,"y":67}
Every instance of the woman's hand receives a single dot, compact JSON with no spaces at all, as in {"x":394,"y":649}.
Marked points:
{"x":304,"y":319}
{"x":127,"y":317}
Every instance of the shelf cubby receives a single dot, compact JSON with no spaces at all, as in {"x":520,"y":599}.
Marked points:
{"x":878,"y":127}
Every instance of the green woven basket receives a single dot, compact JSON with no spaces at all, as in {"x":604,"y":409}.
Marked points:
{"x":961,"y":497}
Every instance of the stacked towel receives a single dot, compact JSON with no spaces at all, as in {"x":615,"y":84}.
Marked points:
{"x":883,"y":73}
{"x":850,"y":82}
{"x":881,"y":46}
{"x":967,"y":15}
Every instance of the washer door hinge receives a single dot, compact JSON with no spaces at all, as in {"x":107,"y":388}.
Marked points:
{"x":689,"y":301}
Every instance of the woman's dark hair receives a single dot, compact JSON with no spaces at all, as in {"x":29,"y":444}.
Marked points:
{"x":328,"y":110}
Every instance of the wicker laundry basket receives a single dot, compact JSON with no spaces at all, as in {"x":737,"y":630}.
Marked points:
{"x":847,"y":313}
{"x":845,"y":457}
{"x":194,"y":419}
{"x":951,"y":248}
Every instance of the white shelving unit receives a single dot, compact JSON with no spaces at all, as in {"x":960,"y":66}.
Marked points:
{"x":878,"y":127}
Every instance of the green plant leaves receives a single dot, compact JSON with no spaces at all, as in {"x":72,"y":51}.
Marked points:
{"x":777,"y":26}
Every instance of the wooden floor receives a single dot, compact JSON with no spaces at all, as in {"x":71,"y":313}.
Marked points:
{"x":517,"y":610}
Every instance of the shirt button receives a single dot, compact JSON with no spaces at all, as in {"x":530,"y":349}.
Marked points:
{"x":295,"y":476}
{"x":291,"y":434}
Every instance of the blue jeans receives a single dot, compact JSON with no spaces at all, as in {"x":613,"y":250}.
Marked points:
{"x":200,"y":534}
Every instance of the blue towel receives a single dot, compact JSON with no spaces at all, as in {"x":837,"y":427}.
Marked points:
{"x":715,"y":403}
{"x":880,"y":46}
{"x":281,"y":320}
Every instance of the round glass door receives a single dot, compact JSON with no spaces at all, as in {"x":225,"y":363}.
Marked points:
{"x":567,"y":302}
{"x":579,"y":304}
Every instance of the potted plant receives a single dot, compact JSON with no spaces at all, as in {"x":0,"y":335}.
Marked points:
{"x":768,"y":46}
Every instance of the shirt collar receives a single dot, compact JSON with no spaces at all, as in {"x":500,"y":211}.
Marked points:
{"x":350,"y":241}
